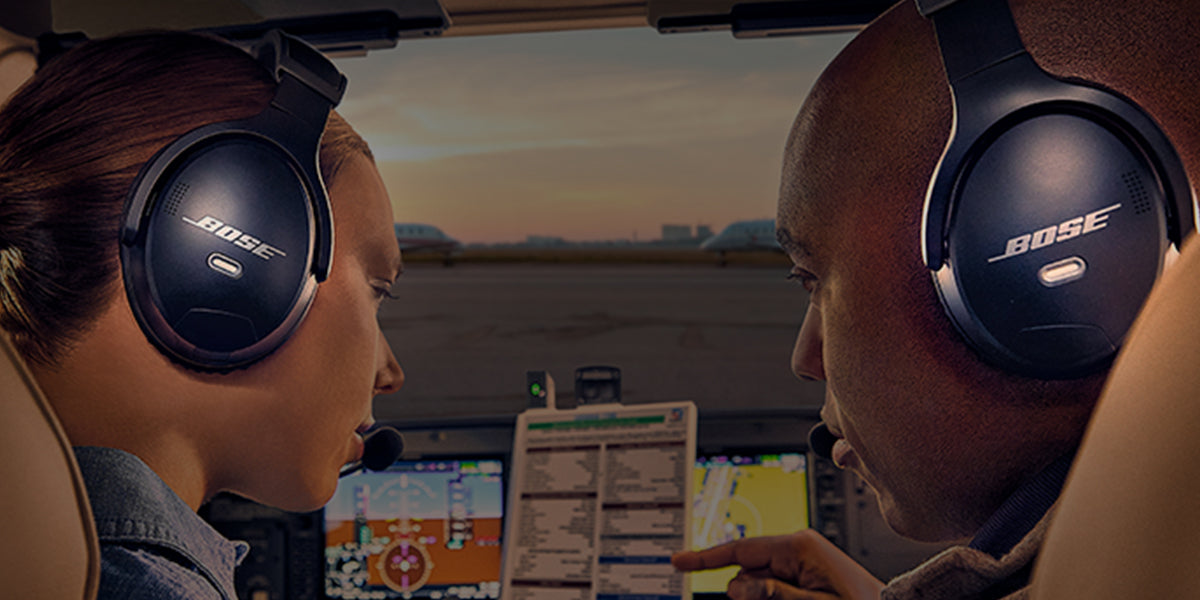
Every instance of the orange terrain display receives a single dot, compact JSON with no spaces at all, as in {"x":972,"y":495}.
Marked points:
{"x":421,"y":529}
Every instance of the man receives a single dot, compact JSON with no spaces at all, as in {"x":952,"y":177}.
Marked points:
{"x":956,"y":449}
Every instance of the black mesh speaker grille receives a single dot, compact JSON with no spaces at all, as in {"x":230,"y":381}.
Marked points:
{"x":175,"y":198}
{"x":1137,"y":192}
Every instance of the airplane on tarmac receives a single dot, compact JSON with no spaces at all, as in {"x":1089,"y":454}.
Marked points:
{"x":422,"y":238}
{"x":743,"y":236}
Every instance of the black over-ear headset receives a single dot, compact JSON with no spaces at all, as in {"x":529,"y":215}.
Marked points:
{"x":228,"y":229}
{"x":1049,"y":215}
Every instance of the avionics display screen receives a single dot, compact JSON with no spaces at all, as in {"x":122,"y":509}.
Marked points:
{"x":745,"y":495}
{"x":420,"y":529}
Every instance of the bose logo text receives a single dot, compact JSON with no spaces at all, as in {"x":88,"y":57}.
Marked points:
{"x":1071,"y":228}
{"x":236,"y":237}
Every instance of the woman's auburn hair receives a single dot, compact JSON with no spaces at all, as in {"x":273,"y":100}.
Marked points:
{"x":73,"y":139}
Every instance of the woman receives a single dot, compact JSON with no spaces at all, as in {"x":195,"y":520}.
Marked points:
{"x":155,"y":436}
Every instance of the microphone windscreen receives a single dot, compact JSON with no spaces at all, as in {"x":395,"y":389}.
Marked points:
{"x":821,"y":441}
{"x":381,"y":448}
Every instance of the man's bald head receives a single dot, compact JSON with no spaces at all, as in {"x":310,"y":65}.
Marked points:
{"x":886,"y":87}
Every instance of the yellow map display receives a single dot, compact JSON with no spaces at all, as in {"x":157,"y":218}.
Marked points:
{"x":738,"y":496}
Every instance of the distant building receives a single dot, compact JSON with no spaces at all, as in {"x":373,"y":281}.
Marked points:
{"x":676,"y":233}
{"x":703,"y":232}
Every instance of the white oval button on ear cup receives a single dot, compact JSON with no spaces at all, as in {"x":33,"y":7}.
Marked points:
{"x":1062,"y":271}
{"x":225,"y":265}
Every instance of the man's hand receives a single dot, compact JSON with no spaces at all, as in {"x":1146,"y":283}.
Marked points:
{"x":800,"y":566}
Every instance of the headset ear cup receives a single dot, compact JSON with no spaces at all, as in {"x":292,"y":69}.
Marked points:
{"x":1048,"y":216}
{"x":227,"y":230}
{"x":1057,"y":233}
{"x":220,"y":273}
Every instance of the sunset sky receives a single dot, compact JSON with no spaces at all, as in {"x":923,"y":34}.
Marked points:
{"x":589,"y":135}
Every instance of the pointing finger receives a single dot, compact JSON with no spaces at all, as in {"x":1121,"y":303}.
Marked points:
{"x":711,"y":558}
{"x":749,"y":553}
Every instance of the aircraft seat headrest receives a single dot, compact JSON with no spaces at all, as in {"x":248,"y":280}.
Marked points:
{"x":49,"y":547}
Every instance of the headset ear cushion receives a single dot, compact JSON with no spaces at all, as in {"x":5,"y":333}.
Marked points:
{"x":220,"y":274}
{"x":1057,"y":233}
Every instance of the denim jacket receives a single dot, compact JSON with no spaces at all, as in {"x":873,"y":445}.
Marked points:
{"x":152,"y":544}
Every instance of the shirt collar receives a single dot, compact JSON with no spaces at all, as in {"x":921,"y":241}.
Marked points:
{"x":1023,"y":509}
{"x":132,"y":504}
